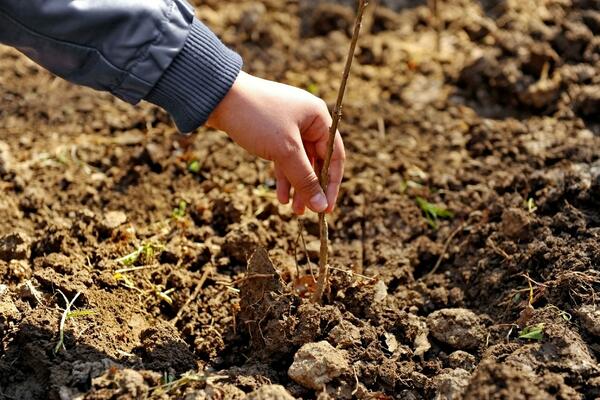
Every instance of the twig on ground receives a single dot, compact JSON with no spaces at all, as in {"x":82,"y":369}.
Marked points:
{"x":324,"y":178}
{"x":445,"y":250}
{"x":353,"y":274}
{"x":300,"y":237}
{"x":194,"y":295}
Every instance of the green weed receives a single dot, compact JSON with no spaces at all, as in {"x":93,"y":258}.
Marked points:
{"x":533,"y":332}
{"x":179,"y":212}
{"x":194,"y":166}
{"x":432,"y":212}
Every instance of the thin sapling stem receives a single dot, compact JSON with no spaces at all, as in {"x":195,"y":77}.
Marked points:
{"x":324,"y":178}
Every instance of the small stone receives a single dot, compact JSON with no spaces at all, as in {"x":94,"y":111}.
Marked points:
{"x":317,"y":364}
{"x":270,"y":392}
{"x":451,"y":383}
{"x":461,"y":359}
{"x":112,"y":220}
{"x":515,"y":223}
{"x":344,"y":334}
{"x":15,"y":246}
{"x":589,"y":315}
{"x":457,"y":327}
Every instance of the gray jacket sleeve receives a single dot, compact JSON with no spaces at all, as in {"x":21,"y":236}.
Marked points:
{"x":136,"y":49}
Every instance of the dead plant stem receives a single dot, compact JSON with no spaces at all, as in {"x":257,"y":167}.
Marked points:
{"x":324,"y":178}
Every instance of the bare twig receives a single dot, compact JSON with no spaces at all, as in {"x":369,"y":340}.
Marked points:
{"x":324,"y":178}
{"x":194,"y":295}
{"x":300,"y":237}
{"x":445,"y":250}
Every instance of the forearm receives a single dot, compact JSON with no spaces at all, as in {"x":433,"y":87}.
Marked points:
{"x":135,"y":49}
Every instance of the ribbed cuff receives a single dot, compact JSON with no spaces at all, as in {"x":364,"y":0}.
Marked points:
{"x":197,"y":79}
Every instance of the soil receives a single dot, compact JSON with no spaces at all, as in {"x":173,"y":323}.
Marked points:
{"x":495,"y":118}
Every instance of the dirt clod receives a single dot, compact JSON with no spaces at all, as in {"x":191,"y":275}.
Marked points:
{"x":15,"y":246}
{"x":462,"y":359}
{"x":457,"y":327}
{"x":450,"y":384}
{"x":317,"y":364}
{"x":589,"y":315}
{"x":270,"y":392}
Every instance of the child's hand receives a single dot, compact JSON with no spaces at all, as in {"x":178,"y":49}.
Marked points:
{"x":288,"y":126}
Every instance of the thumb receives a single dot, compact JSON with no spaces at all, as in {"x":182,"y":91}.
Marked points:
{"x":301,"y":174}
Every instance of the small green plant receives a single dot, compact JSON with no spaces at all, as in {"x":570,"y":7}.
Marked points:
{"x":194,"y":166}
{"x":179,"y":212}
{"x":533,"y":332}
{"x":164,"y":294}
{"x":432,"y":212}
{"x":145,"y":253}
{"x":530,"y":204}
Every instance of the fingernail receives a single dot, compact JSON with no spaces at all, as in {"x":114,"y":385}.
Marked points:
{"x":318,"y":202}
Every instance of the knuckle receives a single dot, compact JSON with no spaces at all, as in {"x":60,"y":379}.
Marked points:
{"x":309,"y":184}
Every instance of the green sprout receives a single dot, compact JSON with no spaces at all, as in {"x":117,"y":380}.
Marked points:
{"x":179,"y":212}
{"x":164,"y":294}
{"x":530,"y":204}
{"x":145,"y":252}
{"x":533,"y":332}
{"x":432,"y":212}
{"x":194,"y":166}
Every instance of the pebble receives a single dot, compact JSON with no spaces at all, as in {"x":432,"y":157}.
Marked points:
{"x":112,"y":220}
{"x":317,"y":364}
{"x":515,"y":223}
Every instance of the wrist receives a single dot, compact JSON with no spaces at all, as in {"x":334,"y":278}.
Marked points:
{"x":197,"y":80}
{"x":232,"y":101}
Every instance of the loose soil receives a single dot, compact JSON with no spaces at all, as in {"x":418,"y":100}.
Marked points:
{"x":495,"y":119}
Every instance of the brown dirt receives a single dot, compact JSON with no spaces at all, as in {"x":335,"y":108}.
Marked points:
{"x":500,"y":126}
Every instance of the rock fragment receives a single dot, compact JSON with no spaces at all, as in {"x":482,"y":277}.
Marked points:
{"x":112,"y":220}
{"x":317,"y":364}
{"x":457,"y":327}
{"x":15,"y":246}
{"x":515,"y":223}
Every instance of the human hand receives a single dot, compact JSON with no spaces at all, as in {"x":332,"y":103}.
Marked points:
{"x":290,"y":127}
